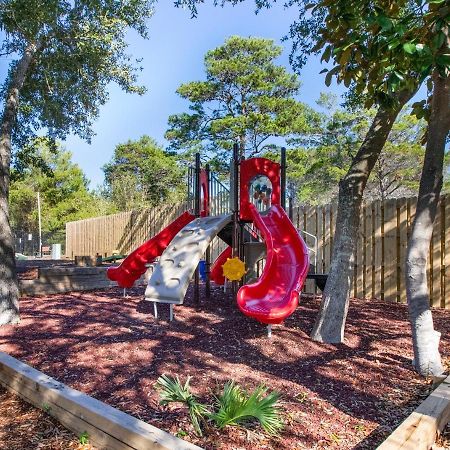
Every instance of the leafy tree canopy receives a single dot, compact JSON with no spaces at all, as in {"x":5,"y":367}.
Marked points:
{"x":376,"y":47}
{"x":316,"y":162}
{"x":141,"y":173}
{"x":63,"y":189}
{"x":80,"y":48}
{"x":246,"y":98}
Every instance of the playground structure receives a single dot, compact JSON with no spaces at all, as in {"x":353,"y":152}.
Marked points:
{"x":255,"y":226}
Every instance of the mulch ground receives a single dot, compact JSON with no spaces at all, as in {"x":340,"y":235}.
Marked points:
{"x":343,"y":396}
{"x":24,"y":427}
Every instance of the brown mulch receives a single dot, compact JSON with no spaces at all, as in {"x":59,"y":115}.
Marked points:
{"x":343,"y":396}
{"x":24,"y":427}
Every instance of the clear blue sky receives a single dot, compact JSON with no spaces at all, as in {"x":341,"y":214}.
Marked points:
{"x":174,"y":55}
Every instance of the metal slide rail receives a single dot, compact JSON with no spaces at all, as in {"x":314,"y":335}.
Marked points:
{"x":310,"y":249}
{"x":219,"y":194}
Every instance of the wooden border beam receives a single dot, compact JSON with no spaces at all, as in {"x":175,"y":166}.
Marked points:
{"x":107,"y":427}
{"x":419,"y":430}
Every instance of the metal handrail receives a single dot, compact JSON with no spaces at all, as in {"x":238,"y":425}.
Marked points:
{"x":314,"y":250}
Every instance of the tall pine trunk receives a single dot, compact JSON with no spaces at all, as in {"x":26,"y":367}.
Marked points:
{"x":427,"y":359}
{"x":330,"y":322}
{"x":9,"y":289}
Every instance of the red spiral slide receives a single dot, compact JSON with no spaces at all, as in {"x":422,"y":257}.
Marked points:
{"x":133,"y":266}
{"x":275,"y":295}
{"x":216,"y":273}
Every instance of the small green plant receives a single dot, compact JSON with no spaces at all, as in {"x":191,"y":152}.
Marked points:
{"x":173,"y":391}
{"x":84,"y":438}
{"x":301,"y":397}
{"x":235,"y":406}
{"x":181,"y":433}
{"x":335,"y":438}
{"x":46,"y":407}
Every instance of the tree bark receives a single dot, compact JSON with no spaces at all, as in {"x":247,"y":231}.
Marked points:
{"x":330,"y":322}
{"x":9,"y":288}
{"x":427,"y":360}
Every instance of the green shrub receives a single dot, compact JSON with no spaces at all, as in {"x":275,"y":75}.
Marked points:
{"x":173,"y":391}
{"x":233,"y":407}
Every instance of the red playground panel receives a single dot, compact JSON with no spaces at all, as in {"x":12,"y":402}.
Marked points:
{"x":133,"y":266}
{"x":216,"y":273}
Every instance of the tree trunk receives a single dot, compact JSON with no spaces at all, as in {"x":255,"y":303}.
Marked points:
{"x":9,"y":289}
{"x":427,"y":359}
{"x":330,"y":322}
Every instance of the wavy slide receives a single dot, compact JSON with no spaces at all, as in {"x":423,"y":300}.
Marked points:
{"x":172,"y":274}
{"x":133,"y":266}
{"x":275,"y":295}
{"x":216,"y":273}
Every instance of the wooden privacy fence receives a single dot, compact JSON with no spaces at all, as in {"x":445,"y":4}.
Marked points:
{"x":124,"y":232}
{"x":121,"y":232}
{"x":379,"y":270}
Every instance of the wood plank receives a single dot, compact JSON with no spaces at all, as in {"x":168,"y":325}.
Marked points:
{"x":419,"y":430}
{"x":447,"y":253}
{"x":73,"y":407}
{"x":435,"y":261}
{"x":359,"y":260}
{"x":77,"y":425}
{"x":368,"y":257}
{"x":402,"y":227}
{"x":333,"y":217}
{"x":327,"y":243}
{"x":378,"y":272}
{"x":309,"y":217}
{"x":390,"y":250}
{"x":319,"y":235}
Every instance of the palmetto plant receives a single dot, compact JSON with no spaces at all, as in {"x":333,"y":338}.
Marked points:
{"x":233,"y":407}
{"x":173,"y":391}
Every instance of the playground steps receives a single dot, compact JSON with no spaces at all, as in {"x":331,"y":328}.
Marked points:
{"x":171,"y":276}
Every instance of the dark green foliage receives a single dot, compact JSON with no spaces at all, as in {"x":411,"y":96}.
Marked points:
{"x":246,"y":98}
{"x":63,"y":188}
{"x":83,"y":49}
{"x":233,"y":407}
{"x":143,"y":174}
{"x":172,"y":391}
{"x":316,"y":162}
{"x":236,"y":407}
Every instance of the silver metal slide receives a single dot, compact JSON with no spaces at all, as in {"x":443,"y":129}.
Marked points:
{"x":171,"y":276}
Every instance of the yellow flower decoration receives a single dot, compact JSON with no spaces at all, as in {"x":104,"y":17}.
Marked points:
{"x":233,"y":269}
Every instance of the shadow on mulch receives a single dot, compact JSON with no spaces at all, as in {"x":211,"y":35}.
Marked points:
{"x":335,"y":396}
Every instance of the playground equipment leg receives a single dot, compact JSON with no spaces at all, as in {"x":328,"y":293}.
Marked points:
{"x":269,"y":331}
{"x":171,"y":312}
{"x":124,"y":292}
{"x":155,"y":310}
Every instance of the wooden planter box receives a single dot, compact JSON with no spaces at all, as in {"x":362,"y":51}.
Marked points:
{"x":55,"y":280}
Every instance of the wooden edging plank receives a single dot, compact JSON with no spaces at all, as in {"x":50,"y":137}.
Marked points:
{"x":107,"y":427}
{"x":419,"y":430}
{"x":97,"y":437}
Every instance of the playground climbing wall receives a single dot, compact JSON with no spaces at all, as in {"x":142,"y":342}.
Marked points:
{"x":382,"y":239}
